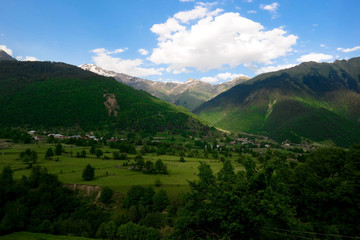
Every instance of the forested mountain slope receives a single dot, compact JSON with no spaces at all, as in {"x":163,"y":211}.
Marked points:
{"x":317,"y":101}
{"x":51,"y":95}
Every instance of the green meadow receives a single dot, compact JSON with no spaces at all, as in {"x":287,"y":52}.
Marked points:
{"x":38,"y":236}
{"x":109,"y":172}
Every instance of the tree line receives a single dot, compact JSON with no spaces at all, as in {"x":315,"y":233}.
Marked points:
{"x":272,"y":199}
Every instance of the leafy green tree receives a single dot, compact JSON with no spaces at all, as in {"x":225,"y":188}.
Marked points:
{"x":116,"y":155}
{"x":92,"y":149}
{"x":6,"y":176}
{"x":28,"y":151}
{"x":110,"y":230}
{"x":215,"y":155}
{"x":33,"y":157}
{"x":132,"y":231}
{"x":160,"y":167}
{"x":158,"y":182}
{"x":83,"y":154}
{"x":50,"y":139}
{"x":98,"y":153}
{"x":139,"y":196}
{"x":149,"y":167}
{"x":101,"y":233}
{"x":215,"y":203}
{"x":133,"y":196}
{"x":155,"y":220}
{"x":139,"y":162}
{"x":14,"y":218}
{"x":123,"y":156}
{"x":28,"y":157}
{"x":49,"y":153}
{"x":88,"y":173}
{"x":106,"y":195}
{"x":58,"y":149}
{"x":132,"y":149}
{"x":325,"y":190}
{"x":160,"y":200}
{"x":46,"y":227}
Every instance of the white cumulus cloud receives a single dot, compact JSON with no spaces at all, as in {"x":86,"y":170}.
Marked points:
{"x":165,"y":30}
{"x":143,"y":51}
{"x":216,"y":40}
{"x":272,"y":8}
{"x":229,"y":76}
{"x":209,"y":79}
{"x":27,"y":58}
{"x":221,"y":77}
{"x":133,"y":67}
{"x":6,"y":49}
{"x":316,"y":57}
{"x":274,"y":68}
{"x":198,"y":12}
{"x":119,"y":50}
{"x":347,"y":50}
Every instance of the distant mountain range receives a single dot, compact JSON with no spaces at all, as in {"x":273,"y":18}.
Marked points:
{"x":190,"y":94}
{"x":312,"y":101}
{"x":50,"y":95}
{"x":5,"y":57}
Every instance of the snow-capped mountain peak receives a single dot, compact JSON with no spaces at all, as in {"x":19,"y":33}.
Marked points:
{"x":98,"y":70}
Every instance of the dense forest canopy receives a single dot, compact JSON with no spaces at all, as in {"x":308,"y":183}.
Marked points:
{"x":50,"y":95}
{"x":319,"y":199}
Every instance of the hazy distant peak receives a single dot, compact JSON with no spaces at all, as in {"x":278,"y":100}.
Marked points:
{"x":6,"y":57}
{"x":191,"y":80}
{"x":237,"y":80}
{"x":189,"y":94}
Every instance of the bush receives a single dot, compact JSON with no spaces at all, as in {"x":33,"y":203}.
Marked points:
{"x":58,"y":149}
{"x":98,"y":153}
{"x":131,"y":231}
{"x":88,"y":173}
{"x":160,"y":200}
{"x":158,"y":183}
{"x":106,"y":195}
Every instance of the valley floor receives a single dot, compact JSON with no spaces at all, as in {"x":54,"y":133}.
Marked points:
{"x":110,"y":172}
{"x":38,"y":236}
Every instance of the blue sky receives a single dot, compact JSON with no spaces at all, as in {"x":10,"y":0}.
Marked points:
{"x":173,"y":40}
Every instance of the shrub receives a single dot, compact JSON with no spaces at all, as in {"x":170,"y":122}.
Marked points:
{"x":88,"y":173}
{"x":158,"y":183}
{"x":131,"y":231}
{"x":106,"y":195}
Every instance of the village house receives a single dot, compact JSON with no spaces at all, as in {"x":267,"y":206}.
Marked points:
{"x":37,"y":138}
{"x":32,"y":132}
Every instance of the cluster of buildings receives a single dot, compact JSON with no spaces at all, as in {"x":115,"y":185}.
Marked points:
{"x":60,"y":136}
{"x":245,"y":141}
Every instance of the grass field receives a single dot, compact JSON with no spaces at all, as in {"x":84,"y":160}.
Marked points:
{"x":38,"y":236}
{"x":110,"y":172}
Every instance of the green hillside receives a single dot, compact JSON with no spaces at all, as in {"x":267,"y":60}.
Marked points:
{"x":316,"y":101}
{"x":47,"y":95}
